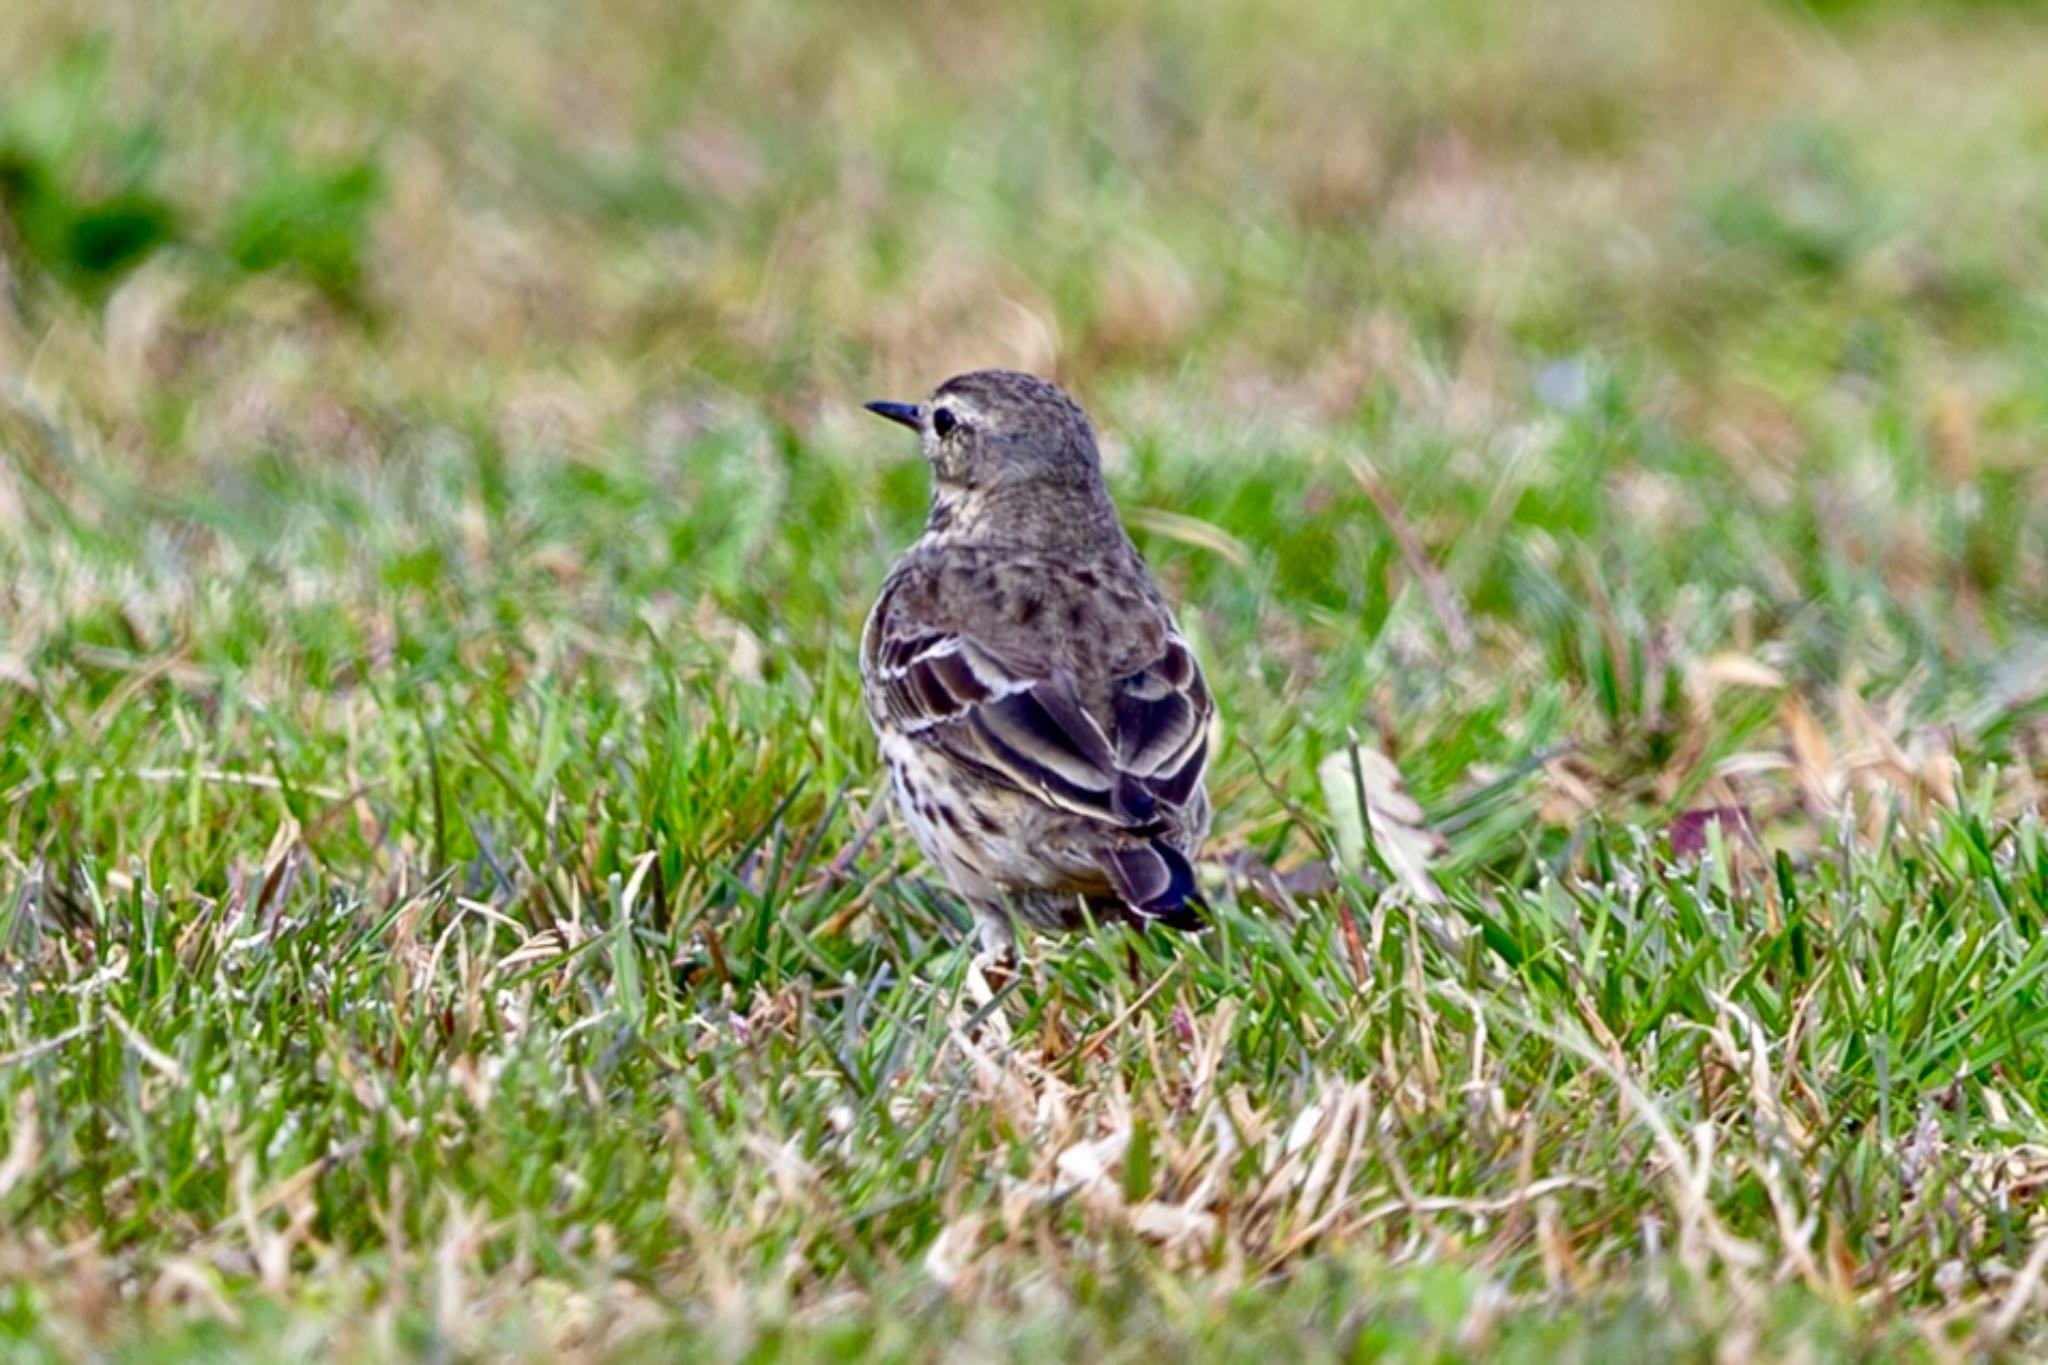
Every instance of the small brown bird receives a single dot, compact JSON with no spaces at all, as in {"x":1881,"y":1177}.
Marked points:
{"x":1045,"y":725}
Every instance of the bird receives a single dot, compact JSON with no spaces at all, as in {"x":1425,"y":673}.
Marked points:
{"x":1045,"y":724}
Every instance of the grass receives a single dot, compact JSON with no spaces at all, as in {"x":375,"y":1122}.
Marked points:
{"x":444,"y":902}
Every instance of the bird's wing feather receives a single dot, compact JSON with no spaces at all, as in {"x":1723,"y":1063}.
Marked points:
{"x":1027,"y":727}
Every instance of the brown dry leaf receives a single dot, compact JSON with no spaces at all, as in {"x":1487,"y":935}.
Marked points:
{"x":1397,"y":825}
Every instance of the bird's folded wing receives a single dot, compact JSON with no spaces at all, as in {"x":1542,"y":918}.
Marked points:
{"x":1029,"y":728}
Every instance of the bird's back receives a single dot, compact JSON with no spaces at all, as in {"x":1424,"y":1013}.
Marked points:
{"x":1041,"y":613}
{"x":1062,"y":691}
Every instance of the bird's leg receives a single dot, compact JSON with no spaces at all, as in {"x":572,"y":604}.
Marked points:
{"x":998,"y":953}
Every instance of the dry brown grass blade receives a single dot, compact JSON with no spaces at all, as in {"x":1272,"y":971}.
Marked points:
{"x":1442,"y":601}
{"x":1113,"y":1027}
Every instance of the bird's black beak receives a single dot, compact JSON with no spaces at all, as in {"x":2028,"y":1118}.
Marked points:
{"x":905,"y":413}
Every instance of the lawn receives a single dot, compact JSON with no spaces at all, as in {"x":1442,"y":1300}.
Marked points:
{"x":447,"y":902}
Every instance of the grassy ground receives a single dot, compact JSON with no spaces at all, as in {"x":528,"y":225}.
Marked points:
{"x":436,"y":906}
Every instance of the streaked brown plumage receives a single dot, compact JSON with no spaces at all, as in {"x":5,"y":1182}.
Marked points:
{"x":1045,"y":725}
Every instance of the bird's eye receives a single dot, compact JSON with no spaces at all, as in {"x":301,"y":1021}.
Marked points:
{"x":943,"y":422}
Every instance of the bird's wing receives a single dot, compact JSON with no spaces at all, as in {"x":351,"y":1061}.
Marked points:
{"x":1029,"y":728}
{"x":1130,"y":765}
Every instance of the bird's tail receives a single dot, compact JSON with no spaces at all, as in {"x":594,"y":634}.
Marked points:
{"x":1157,"y":883}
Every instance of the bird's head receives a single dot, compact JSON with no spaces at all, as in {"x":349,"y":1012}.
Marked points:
{"x":999,"y":430}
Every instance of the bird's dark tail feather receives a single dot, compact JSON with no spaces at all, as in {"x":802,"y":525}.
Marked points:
{"x":1157,"y":884}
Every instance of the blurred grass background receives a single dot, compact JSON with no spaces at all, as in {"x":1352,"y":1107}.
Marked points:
{"x":1287,"y":203}
{"x":435,"y":515}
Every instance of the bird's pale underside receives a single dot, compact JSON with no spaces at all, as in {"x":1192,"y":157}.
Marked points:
{"x":1045,"y":725}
